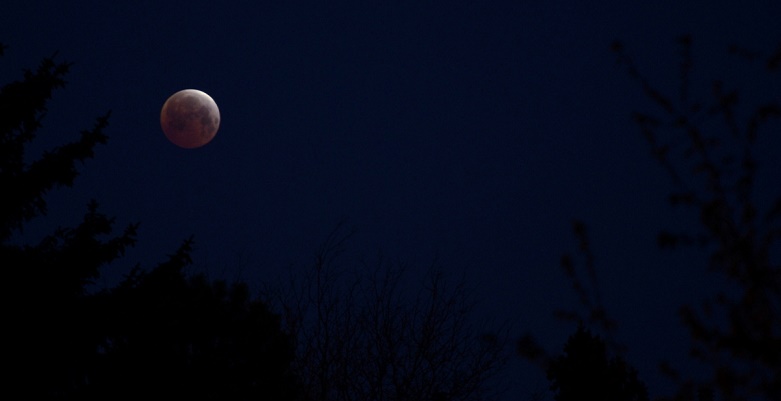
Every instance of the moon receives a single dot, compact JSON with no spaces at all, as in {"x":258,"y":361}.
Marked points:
{"x":190,"y":118}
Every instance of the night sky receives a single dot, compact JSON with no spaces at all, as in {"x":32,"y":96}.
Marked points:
{"x":466,"y":133}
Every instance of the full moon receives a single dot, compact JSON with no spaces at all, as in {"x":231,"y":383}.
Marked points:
{"x":190,"y":118}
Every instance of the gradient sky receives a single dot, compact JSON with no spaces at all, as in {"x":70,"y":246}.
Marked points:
{"x":469,"y":133}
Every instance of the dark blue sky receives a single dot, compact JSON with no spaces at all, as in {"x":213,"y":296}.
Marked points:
{"x":469,"y":133}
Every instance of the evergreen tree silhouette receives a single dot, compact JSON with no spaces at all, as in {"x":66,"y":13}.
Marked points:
{"x":43,"y":284}
{"x":189,"y":338}
{"x":158,"y":333}
{"x":587,"y":372}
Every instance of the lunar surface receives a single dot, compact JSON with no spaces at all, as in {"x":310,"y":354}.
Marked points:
{"x":190,"y":118}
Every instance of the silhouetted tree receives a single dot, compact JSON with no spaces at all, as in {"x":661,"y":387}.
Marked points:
{"x":188,"y":338}
{"x":587,"y":372}
{"x":158,"y":333}
{"x":43,"y":284}
{"x":363,"y":338}
{"x":715,"y":172}
{"x":736,"y":334}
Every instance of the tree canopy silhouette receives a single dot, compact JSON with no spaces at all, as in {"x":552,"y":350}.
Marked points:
{"x":586,"y":371}
{"x":367,"y":337}
{"x":715,"y":174}
{"x":736,"y":335}
{"x":160,"y":332}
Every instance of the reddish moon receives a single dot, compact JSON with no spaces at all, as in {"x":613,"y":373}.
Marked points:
{"x":190,"y":118}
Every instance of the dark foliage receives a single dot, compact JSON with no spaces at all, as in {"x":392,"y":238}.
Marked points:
{"x":187,"y":338}
{"x":587,"y":372}
{"x":738,"y":333}
{"x":362,"y":338}
{"x":160,"y":333}
{"x":43,"y":284}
